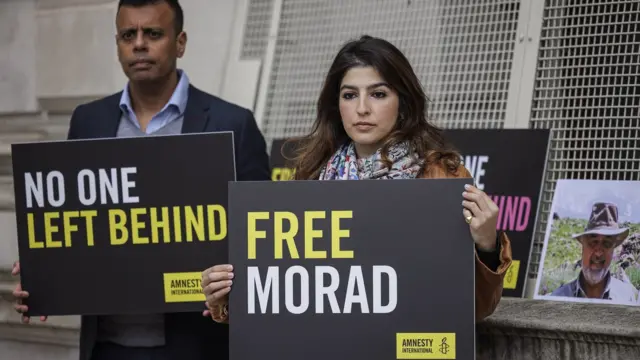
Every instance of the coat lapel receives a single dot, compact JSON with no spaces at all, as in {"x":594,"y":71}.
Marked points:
{"x":196,"y":113}
{"x":108,"y":119}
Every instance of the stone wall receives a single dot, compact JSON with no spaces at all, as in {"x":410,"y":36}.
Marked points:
{"x":520,"y":329}
{"x":57,"y":338}
{"x":523,"y":329}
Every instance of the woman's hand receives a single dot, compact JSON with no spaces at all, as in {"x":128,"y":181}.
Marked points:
{"x":216,"y":285}
{"x":481,"y":213}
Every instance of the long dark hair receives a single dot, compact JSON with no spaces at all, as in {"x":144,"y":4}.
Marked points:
{"x":328,"y":134}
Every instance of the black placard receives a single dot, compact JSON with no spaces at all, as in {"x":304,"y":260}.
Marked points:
{"x":299,"y":237}
{"x":88,"y":191}
{"x":507,"y":164}
{"x":281,"y":167}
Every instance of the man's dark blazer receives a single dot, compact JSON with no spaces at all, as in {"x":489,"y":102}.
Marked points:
{"x":189,"y":336}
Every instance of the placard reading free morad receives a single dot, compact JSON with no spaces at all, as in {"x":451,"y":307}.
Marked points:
{"x":117,"y":226}
{"x":351,"y":270}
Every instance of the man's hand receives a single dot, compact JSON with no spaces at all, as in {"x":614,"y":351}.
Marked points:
{"x":20,"y":294}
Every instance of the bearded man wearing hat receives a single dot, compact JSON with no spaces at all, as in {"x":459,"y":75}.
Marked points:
{"x":600,"y":238}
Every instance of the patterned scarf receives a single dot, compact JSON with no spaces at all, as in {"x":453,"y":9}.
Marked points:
{"x":344,"y":165}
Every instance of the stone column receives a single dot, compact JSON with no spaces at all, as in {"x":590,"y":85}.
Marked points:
{"x":55,"y":55}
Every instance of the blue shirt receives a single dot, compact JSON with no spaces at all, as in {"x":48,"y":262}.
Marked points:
{"x":616,"y":290}
{"x":173,"y":110}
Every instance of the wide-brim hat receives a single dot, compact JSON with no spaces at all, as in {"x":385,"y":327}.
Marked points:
{"x":604,"y":221}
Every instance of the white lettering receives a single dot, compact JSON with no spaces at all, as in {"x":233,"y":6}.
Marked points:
{"x":329,"y":291}
{"x":57,"y":175}
{"x":355,"y":291}
{"x":128,"y":184}
{"x":377,"y":289}
{"x":289,"y":289}
{"x":108,"y":185}
{"x":356,"y":280}
{"x":255,"y":285}
{"x":82,"y":192}
{"x":476,"y":166}
{"x":33,"y":189}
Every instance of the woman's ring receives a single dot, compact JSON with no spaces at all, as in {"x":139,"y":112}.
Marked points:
{"x":468,"y":219}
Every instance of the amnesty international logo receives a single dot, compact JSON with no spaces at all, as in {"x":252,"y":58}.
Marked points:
{"x":444,"y":347}
{"x":183,"y":287}
{"x":511,"y":277}
{"x":425,"y":346}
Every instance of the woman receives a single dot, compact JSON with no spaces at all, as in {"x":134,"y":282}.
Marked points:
{"x":371,"y":124}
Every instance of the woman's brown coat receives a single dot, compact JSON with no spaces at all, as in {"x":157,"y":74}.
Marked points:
{"x":488,"y":283}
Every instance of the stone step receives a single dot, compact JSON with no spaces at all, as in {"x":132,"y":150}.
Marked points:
{"x":7,"y":198}
{"x":32,"y":120}
{"x":5,"y":149}
{"x":55,"y":339}
{"x":6,"y":167}
{"x":56,"y":132}
{"x":18,"y":135}
{"x":22,"y":134}
{"x":28,"y":128}
{"x":8,"y":121}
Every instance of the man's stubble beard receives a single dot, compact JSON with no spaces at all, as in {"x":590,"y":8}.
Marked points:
{"x":594,"y":277}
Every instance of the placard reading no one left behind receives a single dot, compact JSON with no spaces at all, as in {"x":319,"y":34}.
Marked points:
{"x":121,"y":225}
{"x":508,"y":165}
{"x":326,"y":270}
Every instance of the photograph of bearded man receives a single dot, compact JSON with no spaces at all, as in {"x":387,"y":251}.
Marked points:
{"x":599,"y":261}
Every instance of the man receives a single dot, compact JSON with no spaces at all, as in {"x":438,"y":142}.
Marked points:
{"x":159,"y":101}
{"x":600,"y":238}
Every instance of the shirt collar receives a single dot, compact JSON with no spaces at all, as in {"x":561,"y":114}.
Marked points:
{"x":178,"y":98}
{"x":581,"y":293}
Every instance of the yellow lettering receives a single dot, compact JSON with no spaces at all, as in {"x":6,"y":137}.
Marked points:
{"x":132,"y":224}
{"x":252,"y":233}
{"x":337,"y":233}
{"x":222,"y":215}
{"x":282,"y":174}
{"x":177,"y":226}
{"x":49,"y":229}
{"x":31,"y":230}
{"x":118,"y":221}
{"x":136,"y":226}
{"x":88,"y":215}
{"x":290,"y":173}
{"x":275,"y":174}
{"x":195,"y":223}
{"x":287,"y":234}
{"x":156,"y":224}
{"x":280,"y":236}
{"x":310,"y":233}
{"x":68,"y":227}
